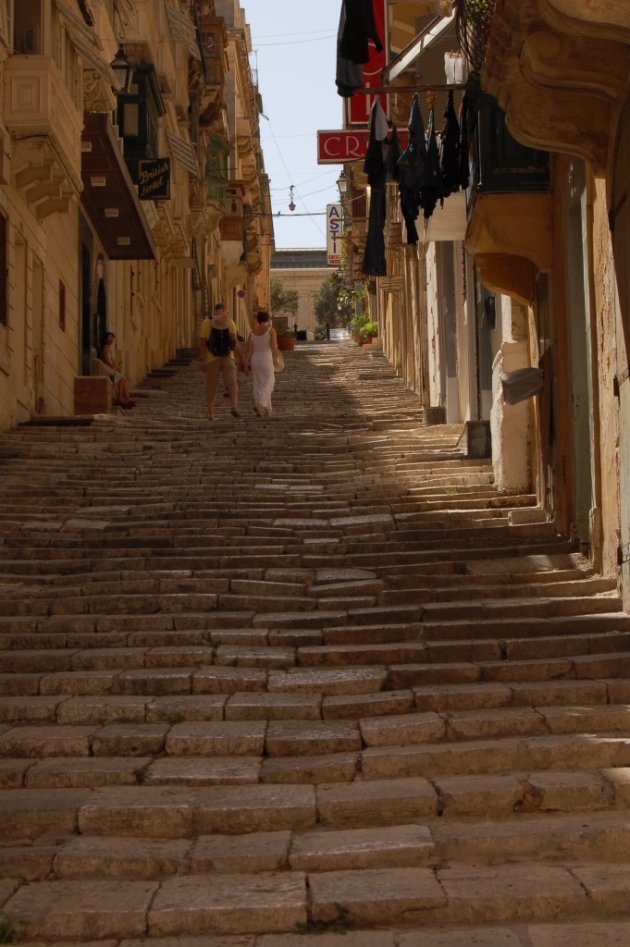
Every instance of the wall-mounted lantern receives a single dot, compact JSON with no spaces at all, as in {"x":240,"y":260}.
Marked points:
{"x":122,"y":69}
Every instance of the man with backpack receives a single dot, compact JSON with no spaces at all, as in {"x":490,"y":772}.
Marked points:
{"x":218,"y":340}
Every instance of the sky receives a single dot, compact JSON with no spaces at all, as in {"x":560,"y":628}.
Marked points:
{"x":294,"y":51}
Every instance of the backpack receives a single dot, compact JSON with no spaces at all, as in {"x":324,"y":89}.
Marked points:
{"x":220,"y":342}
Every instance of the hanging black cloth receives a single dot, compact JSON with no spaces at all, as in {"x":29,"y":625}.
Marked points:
{"x":412,"y":161}
{"x":374,"y":260}
{"x":432,"y":190}
{"x":411,"y":169}
{"x":349,"y":75}
{"x":391,"y":154}
{"x":449,"y":149}
{"x":374,"y":164}
{"x":376,"y":169}
{"x":359,"y":28}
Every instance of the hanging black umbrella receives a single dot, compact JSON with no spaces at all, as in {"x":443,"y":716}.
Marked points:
{"x":432,"y":189}
{"x":449,"y":149}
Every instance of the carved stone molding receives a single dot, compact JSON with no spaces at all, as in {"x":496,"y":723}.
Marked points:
{"x":575,"y":62}
{"x":492,"y":231}
{"x":574,"y":122}
{"x":169,"y":235}
{"x":559,"y":70}
{"x":42,"y":178}
{"x":606,"y":18}
{"x":97,"y":94}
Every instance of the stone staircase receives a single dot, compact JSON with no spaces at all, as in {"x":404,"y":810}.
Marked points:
{"x":269,"y":682}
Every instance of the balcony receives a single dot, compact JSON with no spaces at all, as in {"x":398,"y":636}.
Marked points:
{"x":46,"y":126}
{"x":232,"y":228}
{"x":499,"y":163}
{"x":213,"y":43}
{"x":509,"y":206}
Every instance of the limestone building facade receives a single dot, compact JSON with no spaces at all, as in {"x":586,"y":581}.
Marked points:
{"x":304,"y":271}
{"x":528,"y":268}
{"x":132,"y":187}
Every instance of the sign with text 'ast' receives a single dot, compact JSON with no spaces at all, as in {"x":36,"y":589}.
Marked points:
{"x":334,"y":228}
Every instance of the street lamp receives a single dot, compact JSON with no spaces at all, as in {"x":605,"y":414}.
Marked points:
{"x":121,"y":67}
{"x":343,"y":184}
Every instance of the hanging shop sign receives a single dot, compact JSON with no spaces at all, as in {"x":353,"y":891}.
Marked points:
{"x":337,"y":147}
{"x":334,"y":228}
{"x":154,"y":179}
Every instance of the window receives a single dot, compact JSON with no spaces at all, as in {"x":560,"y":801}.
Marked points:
{"x":27,"y":27}
{"x":139,"y":112}
{"x":3,"y":270}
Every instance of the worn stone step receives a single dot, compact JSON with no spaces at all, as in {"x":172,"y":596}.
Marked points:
{"x":76,"y":910}
{"x":584,"y":933}
{"x":523,"y":627}
{"x":419,"y":754}
{"x":542,"y":607}
{"x":467,"y":593}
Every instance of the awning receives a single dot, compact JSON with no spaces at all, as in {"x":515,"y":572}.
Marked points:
{"x":183,"y":31}
{"x":109,"y":195}
{"x":184,"y":153}
{"x":419,"y":45}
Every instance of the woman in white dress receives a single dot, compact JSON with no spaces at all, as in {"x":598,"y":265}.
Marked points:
{"x":262,"y":350}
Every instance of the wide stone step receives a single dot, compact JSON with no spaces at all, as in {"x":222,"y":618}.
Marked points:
{"x":326,"y":681}
{"x":276,"y":902}
{"x":490,"y":592}
{"x":542,"y":607}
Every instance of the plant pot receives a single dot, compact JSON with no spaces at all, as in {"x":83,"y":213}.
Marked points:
{"x":286,"y":343}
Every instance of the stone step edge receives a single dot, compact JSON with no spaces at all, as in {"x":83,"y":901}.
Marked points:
{"x":522,"y":894}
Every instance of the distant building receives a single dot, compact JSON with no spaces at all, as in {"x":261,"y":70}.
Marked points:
{"x":304,"y":271}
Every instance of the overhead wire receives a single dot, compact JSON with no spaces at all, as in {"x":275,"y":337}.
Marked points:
{"x":298,"y":195}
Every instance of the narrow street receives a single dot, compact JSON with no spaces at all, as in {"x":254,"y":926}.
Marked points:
{"x":266,"y":682}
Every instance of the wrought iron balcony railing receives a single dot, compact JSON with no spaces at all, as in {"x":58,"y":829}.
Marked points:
{"x":473,"y":22}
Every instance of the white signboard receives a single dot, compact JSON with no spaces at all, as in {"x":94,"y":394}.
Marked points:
{"x":333,"y":234}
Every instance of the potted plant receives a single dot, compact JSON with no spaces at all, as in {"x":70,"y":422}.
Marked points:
{"x":363,"y":328}
{"x":286,"y":338}
{"x":368,"y":332}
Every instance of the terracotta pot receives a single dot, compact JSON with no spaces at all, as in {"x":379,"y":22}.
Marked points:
{"x":286,"y":343}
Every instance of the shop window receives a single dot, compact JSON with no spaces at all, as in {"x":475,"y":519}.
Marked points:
{"x":3,"y":270}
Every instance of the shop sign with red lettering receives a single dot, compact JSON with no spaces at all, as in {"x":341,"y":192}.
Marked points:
{"x":337,"y":147}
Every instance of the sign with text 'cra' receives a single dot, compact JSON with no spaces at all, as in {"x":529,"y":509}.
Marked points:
{"x":337,"y":147}
{"x":333,"y":234}
{"x":154,"y":179}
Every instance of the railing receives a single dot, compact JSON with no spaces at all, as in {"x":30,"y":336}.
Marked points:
{"x":473,"y":22}
{"x":499,"y":163}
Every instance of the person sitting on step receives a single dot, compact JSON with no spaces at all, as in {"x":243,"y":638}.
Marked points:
{"x":121,"y":385}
